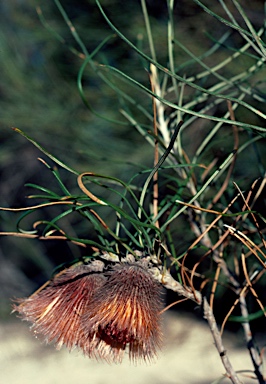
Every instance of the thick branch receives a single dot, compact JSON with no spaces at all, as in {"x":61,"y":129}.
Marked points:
{"x":169,"y":282}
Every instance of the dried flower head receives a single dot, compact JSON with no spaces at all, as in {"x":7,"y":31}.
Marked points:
{"x":125,"y":313}
{"x":56,"y":308}
{"x":101,"y":312}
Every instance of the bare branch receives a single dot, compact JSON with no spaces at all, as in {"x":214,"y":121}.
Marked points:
{"x":208,"y":314}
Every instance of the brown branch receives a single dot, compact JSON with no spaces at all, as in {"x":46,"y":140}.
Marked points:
{"x":254,"y":354}
{"x":208,"y":314}
{"x":165,"y":278}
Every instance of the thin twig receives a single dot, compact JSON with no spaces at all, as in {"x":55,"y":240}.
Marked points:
{"x":254,"y":355}
{"x":208,"y":314}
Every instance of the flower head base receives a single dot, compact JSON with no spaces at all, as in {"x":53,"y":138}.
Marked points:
{"x":126,"y":312}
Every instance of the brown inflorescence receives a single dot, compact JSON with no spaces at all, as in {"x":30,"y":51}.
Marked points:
{"x":56,"y":309}
{"x":126,"y":312}
{"x":102,"y":312}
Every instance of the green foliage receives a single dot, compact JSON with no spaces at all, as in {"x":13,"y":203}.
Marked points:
{"x":200,"y":115}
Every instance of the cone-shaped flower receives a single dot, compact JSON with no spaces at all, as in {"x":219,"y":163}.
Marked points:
{"x":126,"y":312}
{"x":56,"y":308}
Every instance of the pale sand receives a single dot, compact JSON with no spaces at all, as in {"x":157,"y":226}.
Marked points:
{"x":188,"y":357}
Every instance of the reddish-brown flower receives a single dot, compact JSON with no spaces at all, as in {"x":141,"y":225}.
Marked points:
{"x":56,"y":309}
{"x":126,"y":312}
{"x":103,"y":313}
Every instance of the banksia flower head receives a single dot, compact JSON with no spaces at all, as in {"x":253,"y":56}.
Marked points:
{"x":104,"y":312}
{"x":56,"y":308}
{"x":126,"y":312}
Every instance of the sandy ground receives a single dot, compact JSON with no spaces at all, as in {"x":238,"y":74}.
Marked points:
{"x":188,"y":357}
